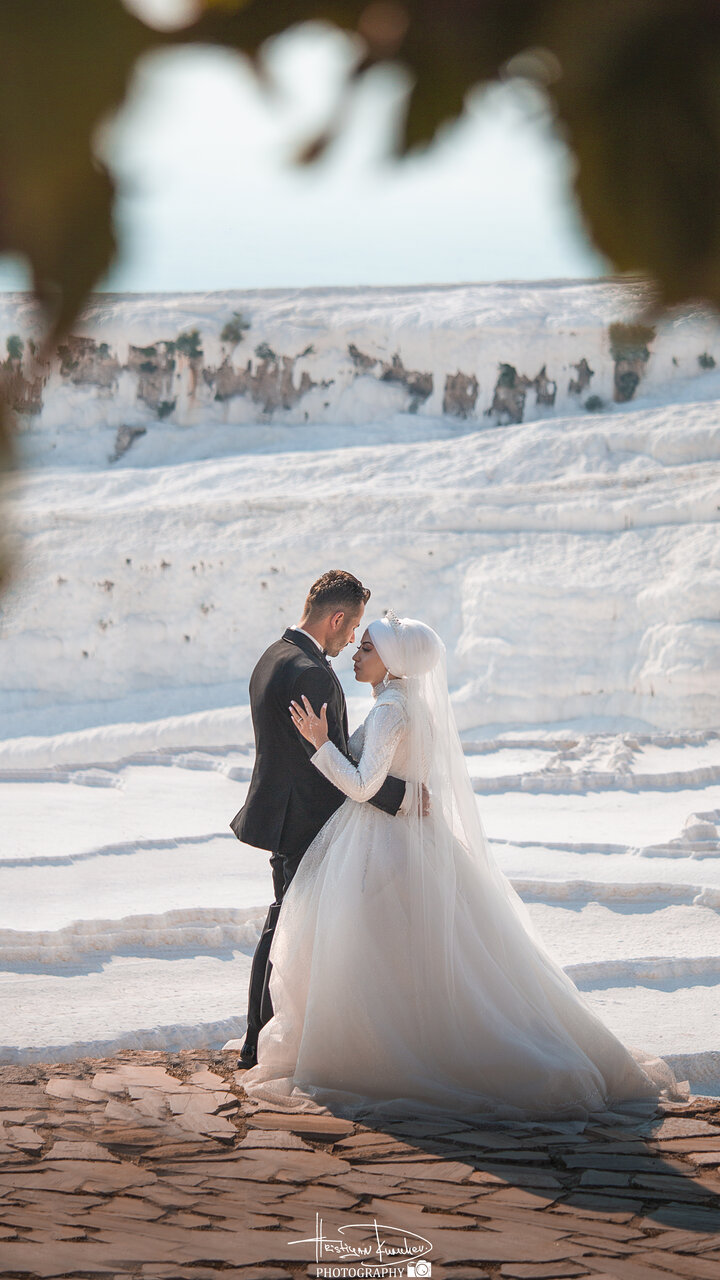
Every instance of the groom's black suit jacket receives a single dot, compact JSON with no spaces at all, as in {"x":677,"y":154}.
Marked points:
{"x":289,"y":800}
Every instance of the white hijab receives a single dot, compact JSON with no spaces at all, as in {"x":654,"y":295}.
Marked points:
{"x":407,"y":647}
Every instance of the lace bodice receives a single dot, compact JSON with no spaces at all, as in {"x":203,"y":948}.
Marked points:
{"x":356,"y":741}
{"x":379,"y":746}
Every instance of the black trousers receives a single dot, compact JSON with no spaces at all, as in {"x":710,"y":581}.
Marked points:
{"x":260,"y":1008}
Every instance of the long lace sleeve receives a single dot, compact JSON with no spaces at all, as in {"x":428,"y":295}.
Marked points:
{"x":383,"y":729}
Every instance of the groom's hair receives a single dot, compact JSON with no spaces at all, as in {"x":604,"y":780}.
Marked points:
{"x":335,"y":590}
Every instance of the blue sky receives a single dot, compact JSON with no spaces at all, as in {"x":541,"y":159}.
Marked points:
{"x":210,"y":201}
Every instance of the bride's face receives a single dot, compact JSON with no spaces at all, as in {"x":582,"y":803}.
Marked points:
{"x":367,"y":662}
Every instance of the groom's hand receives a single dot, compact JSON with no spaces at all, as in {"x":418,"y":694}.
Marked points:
{"x":416,"y":801}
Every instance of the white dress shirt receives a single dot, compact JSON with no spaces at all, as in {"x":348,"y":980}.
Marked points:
{"x":295,"y":627}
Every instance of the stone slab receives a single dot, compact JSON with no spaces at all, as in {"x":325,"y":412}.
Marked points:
{"x":515,"y":1202}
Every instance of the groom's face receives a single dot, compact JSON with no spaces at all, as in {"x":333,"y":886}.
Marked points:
{"x":342,"y":630}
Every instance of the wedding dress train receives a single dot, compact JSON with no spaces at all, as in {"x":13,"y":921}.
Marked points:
{"x":407,"y":977}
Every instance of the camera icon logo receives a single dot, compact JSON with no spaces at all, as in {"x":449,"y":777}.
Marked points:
{"x":419,"y":1268}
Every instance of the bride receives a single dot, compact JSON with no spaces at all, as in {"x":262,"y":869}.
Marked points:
{"x":407,"y":977}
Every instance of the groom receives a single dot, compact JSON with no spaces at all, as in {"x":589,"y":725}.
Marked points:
{"x":289,"y":800}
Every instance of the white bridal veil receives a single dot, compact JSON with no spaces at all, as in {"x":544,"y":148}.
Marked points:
{"x":411,"y":649}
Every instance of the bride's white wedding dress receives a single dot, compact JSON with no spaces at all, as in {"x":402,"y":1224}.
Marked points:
{"x":407,"y":977}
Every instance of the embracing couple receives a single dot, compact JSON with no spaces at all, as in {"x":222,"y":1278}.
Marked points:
{"x":397,"y":970}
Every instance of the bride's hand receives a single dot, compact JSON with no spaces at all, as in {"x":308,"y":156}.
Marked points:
{"x":313,"y":728}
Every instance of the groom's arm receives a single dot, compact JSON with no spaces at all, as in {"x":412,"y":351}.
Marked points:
{"x":390,"y":796}
{"x":318,"y":687}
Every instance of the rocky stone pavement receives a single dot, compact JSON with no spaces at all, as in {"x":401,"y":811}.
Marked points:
{"x":155,"y":1165}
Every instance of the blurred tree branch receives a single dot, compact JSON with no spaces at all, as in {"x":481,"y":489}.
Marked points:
{"x":634,"y":86}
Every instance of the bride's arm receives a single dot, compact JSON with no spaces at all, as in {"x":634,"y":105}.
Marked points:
{"x":383,"y":729}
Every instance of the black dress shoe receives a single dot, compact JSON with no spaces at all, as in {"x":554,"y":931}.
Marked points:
{"x":248,"y":1056}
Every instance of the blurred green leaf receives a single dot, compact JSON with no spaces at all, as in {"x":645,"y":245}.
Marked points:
{"x":64,"y":68}
{"x":639,"y":104}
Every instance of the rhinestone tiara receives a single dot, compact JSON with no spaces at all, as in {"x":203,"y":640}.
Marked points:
{"x":392,"y":618}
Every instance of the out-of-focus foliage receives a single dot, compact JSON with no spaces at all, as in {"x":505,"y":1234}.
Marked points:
{"x":639,"y":103}
{"x":65,"y":67}
{"x":634,"y":86}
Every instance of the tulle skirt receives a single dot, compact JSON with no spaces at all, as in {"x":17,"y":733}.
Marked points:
{"x":402,"y":989}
